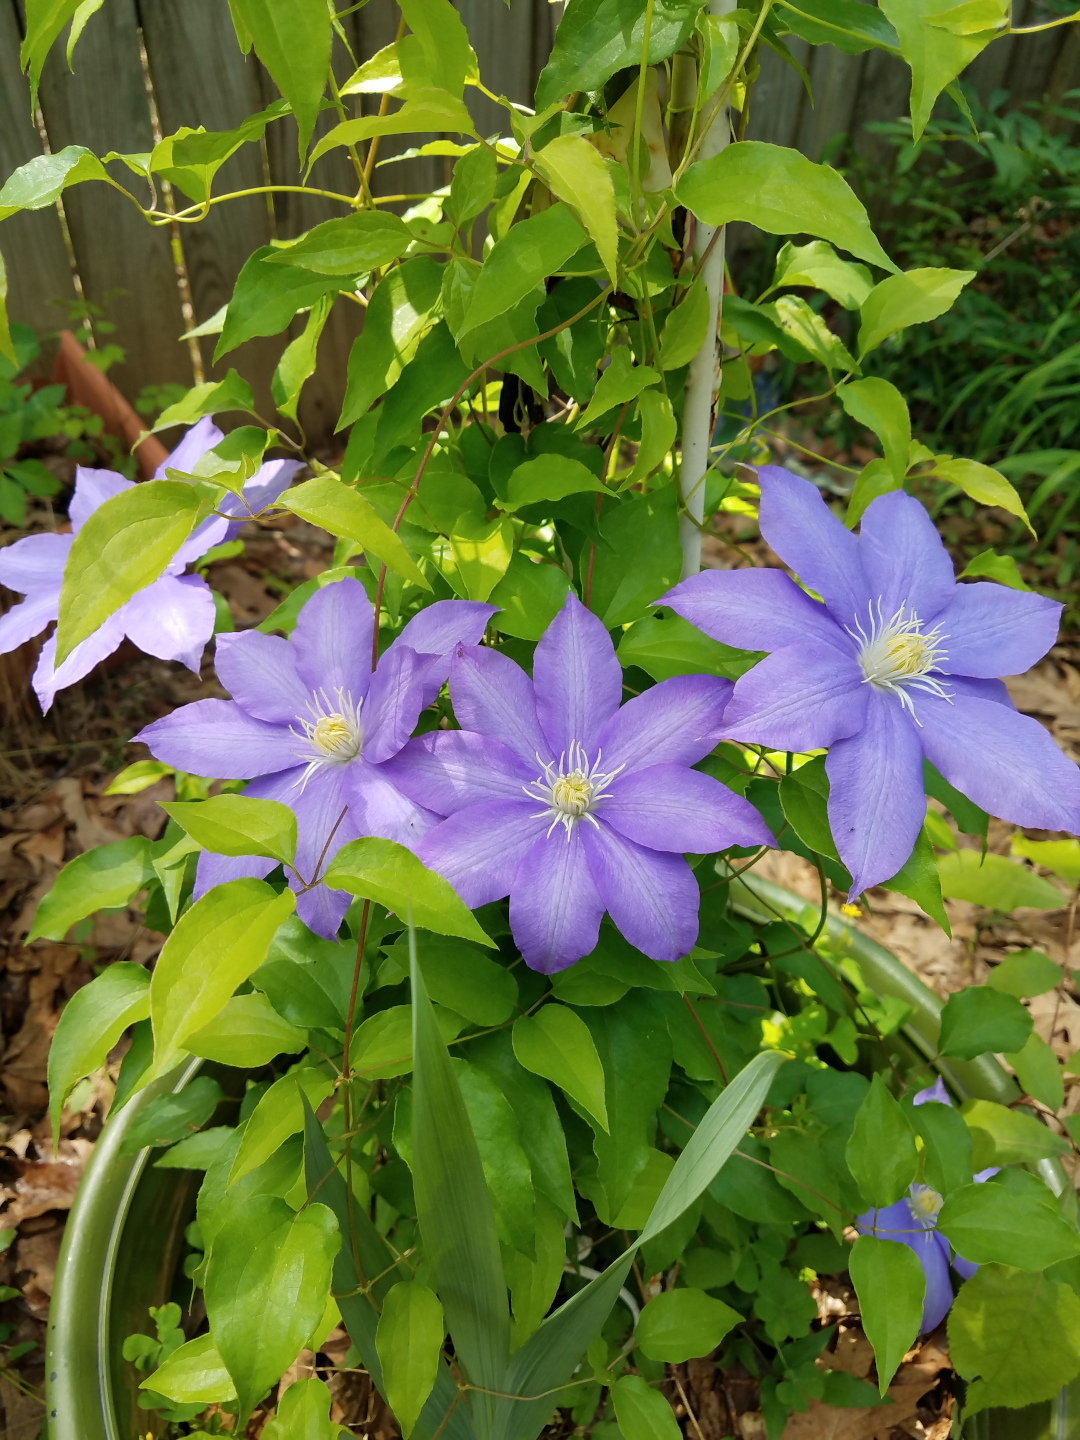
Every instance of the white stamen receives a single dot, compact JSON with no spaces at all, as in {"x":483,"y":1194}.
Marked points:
{"x":897,"y":655}
{"x":924,"y":1205}
{"x":570,"y":795}
{"x":332,"y":735}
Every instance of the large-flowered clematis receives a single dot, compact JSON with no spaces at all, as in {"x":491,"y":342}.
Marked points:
{"x":913,"y":1222}
{"x":570,"y":804}
{"x":895,"y":663}
{"x":311,"y":726}
{"x":172,"y":618}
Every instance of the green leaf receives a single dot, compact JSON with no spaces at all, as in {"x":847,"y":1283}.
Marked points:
{"x":576,"y":173}
{"x":642,"y":1412}
{"x":890,"y":1285}
{"x":658,"y":428}
{"x":1009,"y":1137}
{"x":534,"y":1283}
{"x":881,"y":1152}
{"x":196,"y":1152}
{"x":804,"y":796}
{"x":529,"y":596}
{"x":350,"y":245}
{"x":409,"y":1341}
{"x":672,"y":646}
{"x":303,"y":1413}
{"x":947,"y":1145}
{"x":430,"y":380}
{"x":215,"y":945}
{"x":817,"y":264}
{"x":297,"y":363}
{"x":877,"y":404}
{"x":908,"y":299}
{"x":463,"y":979}
{"x":454,"y":1211}
{"x":448,"y":56}
{"x":685,"y":328}
{"x":1038,"y":1072}
{"x":998,"y":1223}
{"x":620,"y":383}
{"x":506,"y":1167}
{"x":1060,"y":856}
{"x":278,"y":1114}
{"x":979,"y":1021}
{"x":720,"y":49}
{"x":472,"y":186}
{"x":189,"y":159}
{"x":973,"y":17}
{"x":91,"y":1023}
{"x":1014,"y":1336}
{"x":970,"y":820}
{"x":212,"y":398}
{"x":935,"y":57}
{"x":39,"y":182}
{"x":425,"y":110}
{"x":136,"y":778}
{"x":798,"y":320}
{"x":385,"y":871}
{"x":596,"y":38}
{"x":44,"y":21}
{"x":918,"y":879}
{"x":382,"y":1045}
{"x":237,"y":825}
{"x":713,"y":1142}
{"x":783,"y":193}
{"x":174,"y":1116}
{"x":548,"y":478}
{"x":344,"y":512}
{"x":683,"y":1324}
{"x":989,"y":565}
{"x":480,"y":552}
{"x":248,"y":1032}
{"x":996,"y":882}
{"x":193,"y":1373}
{"x":849,"y":25}
{"x":530,"y":252}
{"x":120,"y":549}
{"x":985,"y":485}
{"x":639,"y":557}
{"x":293,"y":42}
{"x":268,"y":293}
{"x":105,"y":878}
{"x":402,"y":309}
{"x":1025,"y":973}
{"x":555,"y":1043}
{"x":267,"y":1283}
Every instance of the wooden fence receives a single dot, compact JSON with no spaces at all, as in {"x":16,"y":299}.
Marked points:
{"x":145,"y":67}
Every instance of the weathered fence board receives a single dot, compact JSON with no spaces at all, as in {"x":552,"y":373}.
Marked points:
{"x":198,"y":76}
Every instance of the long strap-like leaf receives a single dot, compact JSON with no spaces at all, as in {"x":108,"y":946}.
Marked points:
{"x":457,"y":1221}
{"x":326,"y":1185}
{"x":547,"y":1360}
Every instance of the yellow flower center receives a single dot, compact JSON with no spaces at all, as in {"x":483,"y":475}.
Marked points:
{"x":898,"y":655}
{"x":569,"y":796}
{"x":331,"y":733}
{"x":573,"y":793}
{"x":335,"y":737}
{"x":924,"y":1204}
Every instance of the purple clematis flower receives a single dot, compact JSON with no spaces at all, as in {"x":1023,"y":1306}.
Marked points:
{"x":913,"y":1222}
{"x":898,"y":663}
{"x":310,"y":726}
{"x":173,"y":618}
{"x":571,"y":805}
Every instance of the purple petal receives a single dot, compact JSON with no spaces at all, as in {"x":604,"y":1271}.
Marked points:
{"x":202,"y":436}
{"x":259,"y":672}
{"x":322,"y":910}
{"x":27,"y":619}
{"x":668,"y":807}
{"x":577,"y":678}
{"x":978,"y":689}
{"x":981,"y":1176}
{"x":93,"y":488}
{"x":448,"y":769}
{"x":320,"y":802}
{"x":332,"y":639}
{"x":802,"y":698}
{"x":964,"y":1268}
{"x":876,"y":800}
{"x":480,"y":849}
{"x":804,"y":532}
{"x":555,"y":907}
{"x":393,"y":703}
{"x":903,"y":558}
{"x":991,"y":630}
{"x":217,"y":869}
{"x":935,"y":1092}
{"x":652,"y":898}
{"x":493,"y":696}
{"x":1004,"y":761}
{"x":896,"y":1222}
{"x":216,"y":737}
{"x":676,"y":722}
{"x":756,"y":609}
{"x":173,"y":619}
{"x":211,"y":532}
{"x":264,"y":487}
{"x":437,"y":629}
{"x":379,"y":808}
{"x":35,"y":563}
{"x":47,"y":680}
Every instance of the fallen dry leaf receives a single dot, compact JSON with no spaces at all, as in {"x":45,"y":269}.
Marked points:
{"x":38,"y":1255}
{"x":23,"y":1413}
{"x":825,"y":1422}
{"x":44,"y":1185}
